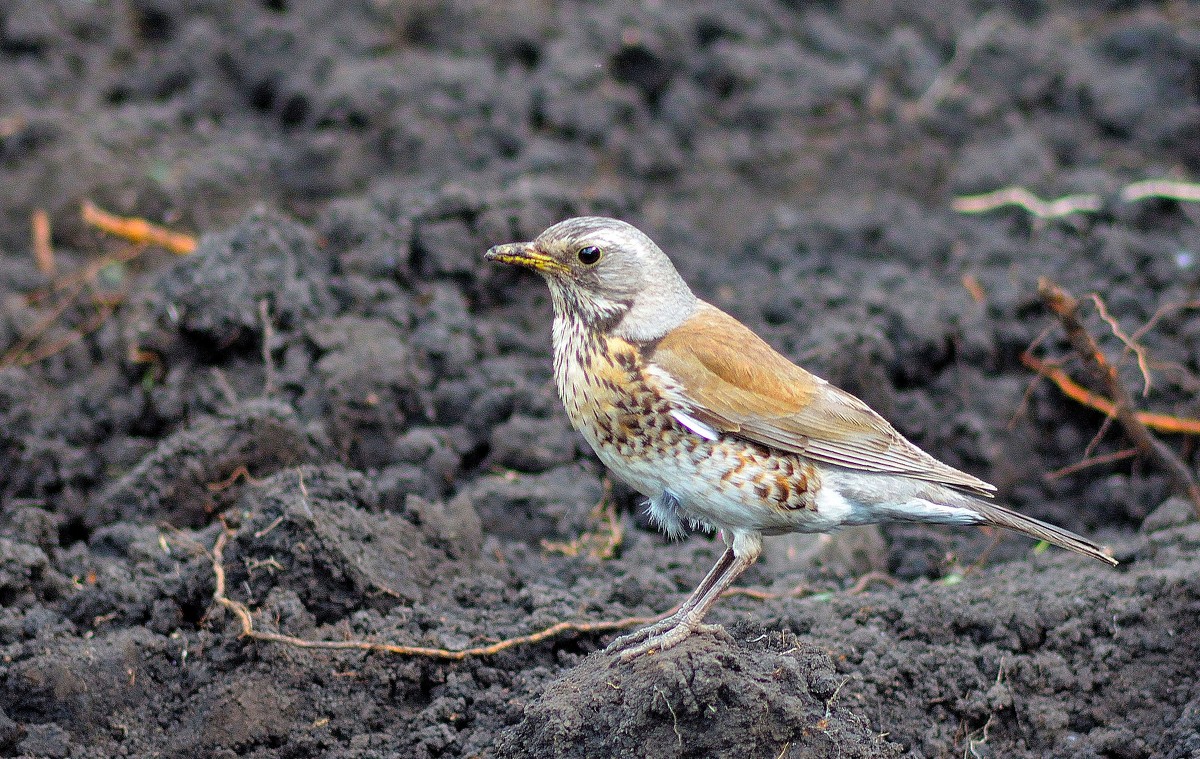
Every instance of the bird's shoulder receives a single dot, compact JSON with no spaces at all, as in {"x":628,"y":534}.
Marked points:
{"x":712,"y":345}
{"x":723,"y":374}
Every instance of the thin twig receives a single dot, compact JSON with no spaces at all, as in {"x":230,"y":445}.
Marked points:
{"x":674,"y":720}
{"x":138,"y":230}
{"x":23,"y":354}
{"x":1080,"y":394}
{"x":1066,"y":308}
{"x":228,"y":482}
{"x":264,"y":315}
{"x":43,"y":250}
{"x":767,"y":595}
{"x":1184,"y":192}
{"x":19,"y":350}
{"x":62,"y":294}
{"x":1131,"y":345}
{"x":103,"y":311}
{"x":246,"y":621}
{"x":72,"y":283}
{"x":1023,"y":406}
{"x":1160,"y":312}
{"x":964,"y":49}
{"x":1078,"y":466}
{"x":866,"y":580}
{"x":974,"y":287}
{"x":981,"y":561}
{"x":1101,"y":431}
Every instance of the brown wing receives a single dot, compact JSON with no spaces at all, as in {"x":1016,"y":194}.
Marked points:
{"x":725,"y":376}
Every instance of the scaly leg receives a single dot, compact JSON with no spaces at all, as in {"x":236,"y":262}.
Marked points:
{"x":690,"y":620}
{"x":657,"y":628}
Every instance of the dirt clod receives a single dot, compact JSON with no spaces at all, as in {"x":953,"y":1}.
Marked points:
{"x":336,"y":390}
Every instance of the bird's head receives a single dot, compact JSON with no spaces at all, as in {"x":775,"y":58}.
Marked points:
{"x":607,"y":274}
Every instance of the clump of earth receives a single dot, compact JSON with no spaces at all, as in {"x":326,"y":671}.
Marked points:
{"x":340,"y":394}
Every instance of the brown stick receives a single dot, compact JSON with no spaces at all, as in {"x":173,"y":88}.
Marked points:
{"x":43,"y":250}
{"x":246,"y":620}
{"x":1076,"y":392}
{"x":766,"y":595}
{"x":137,"y":230}
{"x":1079,"y":466}
{"x":1066,"y":308}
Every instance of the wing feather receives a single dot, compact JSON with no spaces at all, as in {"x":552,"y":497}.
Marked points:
{"x":726,"y":377}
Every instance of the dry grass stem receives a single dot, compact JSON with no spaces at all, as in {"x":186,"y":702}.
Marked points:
{"x":1023,"y":198}
{"x":1161,"y":188}
{"x":601,"y":542}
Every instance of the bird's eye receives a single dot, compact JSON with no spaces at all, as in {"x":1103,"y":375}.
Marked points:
{"x":589,"y":255}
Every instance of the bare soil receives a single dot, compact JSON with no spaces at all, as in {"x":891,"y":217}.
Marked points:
{"x":338,"y":379}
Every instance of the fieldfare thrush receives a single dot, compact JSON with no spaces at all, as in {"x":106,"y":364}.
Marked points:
{"x":689,"y":407}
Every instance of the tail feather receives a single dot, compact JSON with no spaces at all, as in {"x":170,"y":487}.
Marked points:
{"x":1002,"y":517}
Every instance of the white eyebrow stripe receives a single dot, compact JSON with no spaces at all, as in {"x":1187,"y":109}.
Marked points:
{"x":694,"y":424}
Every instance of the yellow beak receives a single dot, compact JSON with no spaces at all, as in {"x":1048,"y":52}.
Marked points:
{"x":525,"y":255}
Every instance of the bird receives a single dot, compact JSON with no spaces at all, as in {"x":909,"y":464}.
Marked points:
{"x":720,"y":431}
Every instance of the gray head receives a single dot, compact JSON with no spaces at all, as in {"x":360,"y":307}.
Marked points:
{"x":607,"y":274}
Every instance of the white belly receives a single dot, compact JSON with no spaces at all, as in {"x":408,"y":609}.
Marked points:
{"x":723,"y":483}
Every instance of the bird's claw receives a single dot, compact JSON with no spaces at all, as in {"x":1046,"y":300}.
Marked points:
{"x":637,"y":636}
{"x":659,"y":639}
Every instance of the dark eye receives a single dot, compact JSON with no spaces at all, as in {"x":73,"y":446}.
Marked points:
{"x":589,"y":255}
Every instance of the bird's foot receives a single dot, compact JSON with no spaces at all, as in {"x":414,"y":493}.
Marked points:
{"x":669,"y":638}
{"x":649,"y":631}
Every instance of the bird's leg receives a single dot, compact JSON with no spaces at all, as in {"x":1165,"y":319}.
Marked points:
{"x":689,"y":621}
{"x":662,"y":625}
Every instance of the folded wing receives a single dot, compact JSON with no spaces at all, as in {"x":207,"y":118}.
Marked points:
{"x":723,"y":375}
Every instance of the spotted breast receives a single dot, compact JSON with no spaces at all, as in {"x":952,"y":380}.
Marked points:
{"x":615,"y":399}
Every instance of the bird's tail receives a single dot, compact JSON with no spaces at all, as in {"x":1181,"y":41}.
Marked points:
{"x":868,"y":497}
{"x":1000,"y":516}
